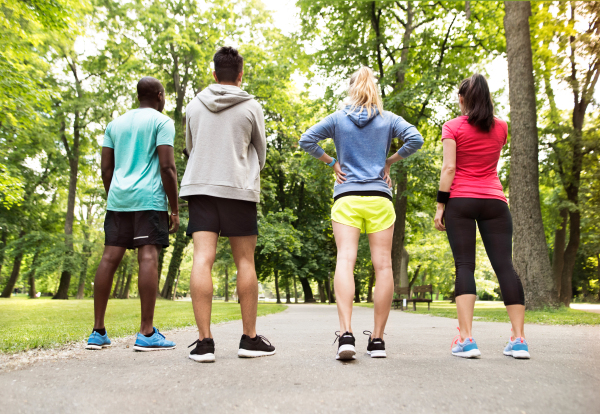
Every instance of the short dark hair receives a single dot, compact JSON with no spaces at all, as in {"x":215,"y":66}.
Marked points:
{"x":228,"y":64}
{"x":148,"y":88}
{"x":477,"y":102}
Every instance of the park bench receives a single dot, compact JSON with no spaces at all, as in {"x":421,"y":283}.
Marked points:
{"x":419,"y":291}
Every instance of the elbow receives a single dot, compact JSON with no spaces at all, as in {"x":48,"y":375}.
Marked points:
{"x":168,"y":169}
{"x":449,"y":169}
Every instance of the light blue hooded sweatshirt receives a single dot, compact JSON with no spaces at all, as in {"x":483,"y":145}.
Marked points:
{"x":362,"y":143}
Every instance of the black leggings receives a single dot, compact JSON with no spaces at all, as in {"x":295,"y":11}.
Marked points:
{"x":495,"y":226}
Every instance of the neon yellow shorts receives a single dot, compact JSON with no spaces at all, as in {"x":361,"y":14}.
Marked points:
{"x":367,"y":213}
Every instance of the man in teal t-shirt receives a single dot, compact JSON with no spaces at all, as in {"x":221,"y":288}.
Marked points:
{"x":139,"y":176}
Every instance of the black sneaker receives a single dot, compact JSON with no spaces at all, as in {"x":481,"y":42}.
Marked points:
{"x":255,"y":347}
{"x":376,"y":347}
{"x":346,"y":349}
{"x":204,"y":351}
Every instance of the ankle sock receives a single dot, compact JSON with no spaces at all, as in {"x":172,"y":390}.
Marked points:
{"x":100,"y":331}
{"x":149,"y":335}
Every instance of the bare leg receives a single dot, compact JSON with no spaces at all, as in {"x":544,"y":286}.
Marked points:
{"x":247,"y":283}
{"x":381,"y":256}
{"x":111,"y":258}
{"x":516,"y":313}
{"x":147,"y":281}
{"x":346,"y":239}
{"x":201,"y":286}
{"x":465,"y":304}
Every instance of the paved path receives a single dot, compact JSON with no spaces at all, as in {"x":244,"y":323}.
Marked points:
{"x":419,"y":376}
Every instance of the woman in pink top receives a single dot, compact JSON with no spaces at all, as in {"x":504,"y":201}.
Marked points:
{"x":471,"y":196}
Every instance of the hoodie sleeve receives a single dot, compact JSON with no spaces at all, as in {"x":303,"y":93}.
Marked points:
{"x":258,"y":138}
{"x":310,"y":139}
{"x":413,"y":141}
{"x":188,"y":133}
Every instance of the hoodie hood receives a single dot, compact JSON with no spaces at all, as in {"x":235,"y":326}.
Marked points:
{"x":360,"y":117}
{"x":219,"y":97}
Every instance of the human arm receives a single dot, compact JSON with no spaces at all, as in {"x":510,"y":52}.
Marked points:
{"x":413,"y":141}
{"x":168,"y":173}
{"x":446,"y":178}
{"x":189,"y":143}
{"x":259,"y":138}
{"x":107,"y":166}
{"x":310,"y":143}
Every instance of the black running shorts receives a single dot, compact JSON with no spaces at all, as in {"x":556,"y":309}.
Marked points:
{"x":225,"y":216}
{"x":133,"y":229}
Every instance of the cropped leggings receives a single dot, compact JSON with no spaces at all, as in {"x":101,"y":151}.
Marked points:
{"x":495,"y":226}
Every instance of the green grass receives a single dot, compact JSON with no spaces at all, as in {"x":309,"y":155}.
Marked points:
{"x":495,"y":312}
{"x":45,"y":323}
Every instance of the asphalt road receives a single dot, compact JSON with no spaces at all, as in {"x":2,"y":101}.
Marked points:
{"x":419,"y":375}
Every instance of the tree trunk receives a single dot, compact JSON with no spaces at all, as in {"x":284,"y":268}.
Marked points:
{"x":356,"y":292}
{"x":73,"y":154}
{"x":2,"y":250}
{"x":120,"y":276}
{"x":295,"y":290}
{"x":570,"y":257}
{"x":125,"y":294}
{"x":161,"y":261}
{"x":277,"y":286}
{"x":288,"y":299}
{"x":181,"y":242}
{"x":126,"y":272}
{"x":227,"y":283}
{"x":531,"y":260}
{"x":401,"y":206}
{"x":12,"y":280}
{"x":308,"y":295}
{"x":87,"y":251}
{"x":330,"y":290}
{"x":558,"y":256}
{"x":404,"y":282}
{"x":176,"y":283}
{"x":371,"y":282}
{"x":31,"y":275}
{"x":321,"y":291}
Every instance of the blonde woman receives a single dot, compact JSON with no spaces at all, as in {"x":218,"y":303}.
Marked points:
{"x":362,"y":133}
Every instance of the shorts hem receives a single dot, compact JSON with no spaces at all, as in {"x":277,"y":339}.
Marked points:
{"x":349,"y":225}
{"x":189,"y":233}
{"x":383,"y":228}
{"x":241,"y":234}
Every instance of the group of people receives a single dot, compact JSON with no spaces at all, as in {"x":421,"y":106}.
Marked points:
{"x":226,"y":148}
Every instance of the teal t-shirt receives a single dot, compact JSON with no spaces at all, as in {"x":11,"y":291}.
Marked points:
{"x":136,"y":183}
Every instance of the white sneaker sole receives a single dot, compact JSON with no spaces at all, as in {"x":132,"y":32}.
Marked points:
{"x":245,"y":353}
{"x":203,"y":358}
{"x":473,"y":353}
{"x":146,"y":349}
{"x":346,"y":352}
{"x":518,"y":354}
{"x":377,"y":354}
{"x":97,"y":347}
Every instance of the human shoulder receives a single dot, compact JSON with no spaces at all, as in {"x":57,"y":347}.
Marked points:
{"x":501,"y":124}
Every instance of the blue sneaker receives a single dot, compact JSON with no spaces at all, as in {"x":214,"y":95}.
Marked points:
{"x":156,"y":342}
{"x":466,"y":349}
{"x":517,"y":349}
{"x":97,"y":341}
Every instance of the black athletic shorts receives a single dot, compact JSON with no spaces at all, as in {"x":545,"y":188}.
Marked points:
{"x":225,"y":216}
{"x":133,"y":229}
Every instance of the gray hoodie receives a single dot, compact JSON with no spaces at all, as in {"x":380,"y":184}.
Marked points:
{"x":225,"y":138}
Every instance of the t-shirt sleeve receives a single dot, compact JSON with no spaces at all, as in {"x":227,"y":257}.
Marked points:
{"x":447,"y":132}
{"x":165,"y":134}
{"x":108,"y":142}
{"x":505,"y":131}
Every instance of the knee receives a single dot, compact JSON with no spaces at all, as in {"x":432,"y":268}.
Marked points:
{"x":382,"y":265}
{"x":346,"y":257}
{"x":204,"y":260}
{"x":111,"y":259}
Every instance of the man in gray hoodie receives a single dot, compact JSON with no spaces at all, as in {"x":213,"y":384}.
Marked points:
{"x":226,"y":143}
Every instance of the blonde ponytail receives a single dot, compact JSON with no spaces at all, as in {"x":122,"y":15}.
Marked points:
{"x":363,"y":92}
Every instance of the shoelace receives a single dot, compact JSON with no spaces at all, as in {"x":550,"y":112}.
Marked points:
{"x":265,"y":340}
{"x":457,"y":338}
{"x":163,"y":337}
{"x":338,"y":336}
{"x":197,"y":341}
{"x":370,"y":334}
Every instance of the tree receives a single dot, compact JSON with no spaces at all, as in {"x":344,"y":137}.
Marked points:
{"x":530,"y":251}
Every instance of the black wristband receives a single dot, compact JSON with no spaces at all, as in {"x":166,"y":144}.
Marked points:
{"x":443,"y":197}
